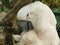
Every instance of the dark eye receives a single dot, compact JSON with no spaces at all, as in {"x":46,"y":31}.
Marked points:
{"x":27,"y":15}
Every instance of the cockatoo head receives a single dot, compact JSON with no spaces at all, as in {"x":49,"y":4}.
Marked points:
{"x":28,"y":13}
{"x":39,"y":14}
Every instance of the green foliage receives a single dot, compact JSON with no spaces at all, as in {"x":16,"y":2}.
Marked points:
{"x":5,"y":9}
{"x":52,"y":3}
{"x":58,"y":22}
{"x":56,"y":10}
{"x":6,"y":3}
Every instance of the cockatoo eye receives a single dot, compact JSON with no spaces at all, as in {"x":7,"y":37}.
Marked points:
{"x":27,"y":15}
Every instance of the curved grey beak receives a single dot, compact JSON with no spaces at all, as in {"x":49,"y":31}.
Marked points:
{"x":25,"y":25}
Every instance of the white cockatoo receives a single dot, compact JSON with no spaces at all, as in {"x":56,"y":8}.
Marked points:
{"x":44,"y":24}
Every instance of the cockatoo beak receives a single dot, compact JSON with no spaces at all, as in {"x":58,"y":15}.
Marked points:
{"x":25,"y":25}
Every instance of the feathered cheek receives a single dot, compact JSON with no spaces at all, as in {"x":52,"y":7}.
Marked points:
{"x":30,"y":18}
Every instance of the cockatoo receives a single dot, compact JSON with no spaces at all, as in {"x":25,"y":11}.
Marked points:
{"x":44,"y":23}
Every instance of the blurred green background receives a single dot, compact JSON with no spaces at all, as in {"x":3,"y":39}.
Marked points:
{"x":53,"y":4}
